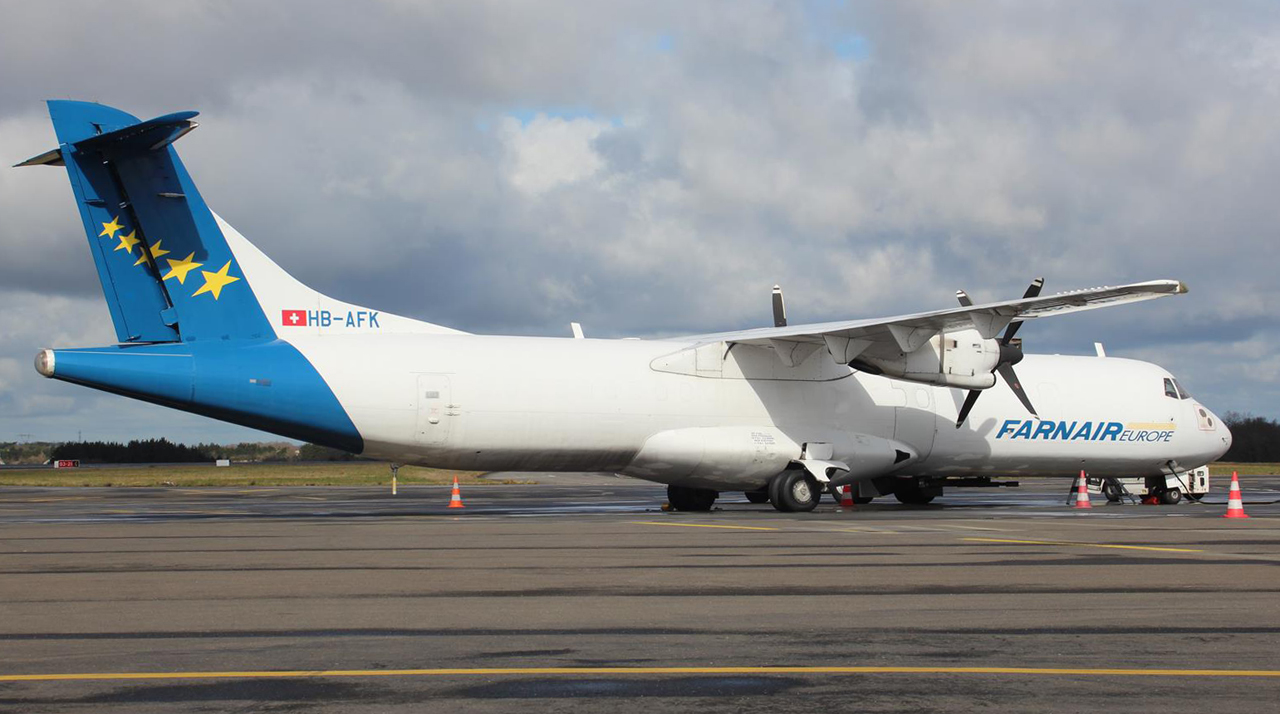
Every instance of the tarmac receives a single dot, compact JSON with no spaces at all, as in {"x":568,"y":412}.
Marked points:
{"x":579,"y":593}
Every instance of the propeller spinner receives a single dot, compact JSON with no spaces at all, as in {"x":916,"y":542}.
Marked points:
{"x":1009,"y":356}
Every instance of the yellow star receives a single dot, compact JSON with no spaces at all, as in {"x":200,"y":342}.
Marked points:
{"x":127,"y":242}
{"x":179,"y":268}
{"x":214,"y":282}
{"x":156,"y":252}
{"x":109,"y":229}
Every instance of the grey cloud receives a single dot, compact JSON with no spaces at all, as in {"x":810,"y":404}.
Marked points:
{"x":977,"y":146}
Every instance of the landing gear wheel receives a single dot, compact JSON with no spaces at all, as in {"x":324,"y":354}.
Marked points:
{"x":1170,"y":496}
{"x":683,"y":498}
{"x":794,"y":491}
{"x":772,"y":490}
{"x":910,"y":493}
{"x":1111,"y":491}
{"x":761,"y":496}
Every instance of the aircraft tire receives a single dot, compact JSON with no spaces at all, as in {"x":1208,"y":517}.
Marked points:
{"x":772,"y":489}
{"x":911,"y":494}
{"x":683,"y":498}
{"x":761,"y":496}
{"x":1110,"y":491}
{"x":1170,"y":496}
{"x":795,"y":492}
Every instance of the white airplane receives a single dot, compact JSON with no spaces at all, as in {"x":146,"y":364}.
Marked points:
{"x":783,"y":413}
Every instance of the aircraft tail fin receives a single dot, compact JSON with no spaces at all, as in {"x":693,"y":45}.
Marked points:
{"x":171,"y":270}
{"x":167,"y":272}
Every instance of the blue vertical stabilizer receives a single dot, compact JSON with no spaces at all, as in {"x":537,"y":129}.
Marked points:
{"x":166,"y":270}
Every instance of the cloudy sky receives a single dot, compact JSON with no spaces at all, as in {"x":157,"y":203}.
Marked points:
{"x":653,"y":168}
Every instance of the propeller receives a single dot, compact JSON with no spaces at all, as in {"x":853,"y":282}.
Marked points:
{"x":1009,"y":356}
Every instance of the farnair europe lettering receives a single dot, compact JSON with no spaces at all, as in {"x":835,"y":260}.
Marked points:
{"x":1083,"y":431}
{"x":325,"y":318}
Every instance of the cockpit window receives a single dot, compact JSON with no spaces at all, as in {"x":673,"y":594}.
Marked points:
{"x":1182,"y":391}
{"x":1169,"y":389}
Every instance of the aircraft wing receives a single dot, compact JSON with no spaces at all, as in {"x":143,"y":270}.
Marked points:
{"x":847,"y":339}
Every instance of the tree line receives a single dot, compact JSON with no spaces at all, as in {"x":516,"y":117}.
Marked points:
{"x":159,"y":451}
{"x":1253,"y":438}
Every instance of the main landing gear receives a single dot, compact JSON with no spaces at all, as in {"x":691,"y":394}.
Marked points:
{"x":683,"y":498}
{"x":761,"y":496}
{"x":794,"y":491}
{"x":910,"y":492}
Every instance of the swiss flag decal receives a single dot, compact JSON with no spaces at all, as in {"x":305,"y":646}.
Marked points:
{"x":293,"y":318}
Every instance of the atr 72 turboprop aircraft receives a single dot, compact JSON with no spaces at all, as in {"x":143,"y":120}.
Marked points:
{"x":209,"y":324}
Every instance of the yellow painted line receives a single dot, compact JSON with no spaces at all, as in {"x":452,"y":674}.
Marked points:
{"x":598,"y":671}
{"x":972,"y":528}
{"x":1087,"y":545}
{"x":703,"y":525}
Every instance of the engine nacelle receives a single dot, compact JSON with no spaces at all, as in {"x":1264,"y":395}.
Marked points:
{"x":962,"y":359}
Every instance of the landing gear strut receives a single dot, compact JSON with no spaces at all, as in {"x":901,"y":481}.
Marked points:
{"x":683,"y":498}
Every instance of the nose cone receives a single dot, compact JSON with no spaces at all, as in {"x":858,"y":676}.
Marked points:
{"x":1219,"y":436}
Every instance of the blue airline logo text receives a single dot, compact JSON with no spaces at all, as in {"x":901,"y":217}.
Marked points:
{"x":325,"y":318}
{"x":1079,"y":431}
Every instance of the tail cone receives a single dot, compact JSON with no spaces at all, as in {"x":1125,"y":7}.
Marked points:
{"x":45,"y":362}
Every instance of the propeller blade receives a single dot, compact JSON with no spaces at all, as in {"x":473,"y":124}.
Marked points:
{"x":1010,"y":332}
{"x":970,"y":399}
{"x":1011,"y":378}
{"x":1033,"y":290}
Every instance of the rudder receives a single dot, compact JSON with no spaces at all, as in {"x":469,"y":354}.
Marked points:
{"x":166,"y":270}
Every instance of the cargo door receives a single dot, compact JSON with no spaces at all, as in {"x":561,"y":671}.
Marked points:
{"x":436,"y":410}
{"x":916,"y":423}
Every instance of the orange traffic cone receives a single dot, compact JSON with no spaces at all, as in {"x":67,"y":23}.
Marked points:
{"x":846,"y":496}
{"x":455,"y":498}
{"x":1235,"y":507}
{"x":1082,"y":492}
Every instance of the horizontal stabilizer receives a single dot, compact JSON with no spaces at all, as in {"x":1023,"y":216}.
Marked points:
{"x":48,"y":158}
{"x":146,"y":136}
{"x":133,"y":139}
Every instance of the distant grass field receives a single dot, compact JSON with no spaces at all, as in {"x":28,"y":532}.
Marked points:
{"x":1224,"y":468}
{"x":327,"y":473}
{"x":336,"y":473}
